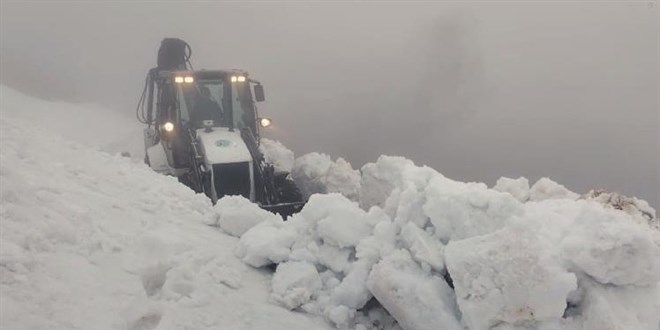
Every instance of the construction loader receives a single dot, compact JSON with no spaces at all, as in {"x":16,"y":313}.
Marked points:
{"x":202,"y":126}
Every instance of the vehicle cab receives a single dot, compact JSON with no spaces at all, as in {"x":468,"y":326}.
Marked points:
{"x":197,"y":97}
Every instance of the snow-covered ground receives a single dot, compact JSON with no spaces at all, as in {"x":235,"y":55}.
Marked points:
{"x":93,"y":240}
{"x":90,"y":240}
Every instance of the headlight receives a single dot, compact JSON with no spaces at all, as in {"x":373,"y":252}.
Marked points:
{"x":168,"y":127}
{"x":265,"y":122}
{"x":188,"y":79}
{"x":238,"y":78}
{"x":178,"y":80}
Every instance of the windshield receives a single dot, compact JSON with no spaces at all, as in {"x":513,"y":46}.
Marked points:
{"x":218,"y":100}
{"x":202,"y":100}
{"x":242,"y":104}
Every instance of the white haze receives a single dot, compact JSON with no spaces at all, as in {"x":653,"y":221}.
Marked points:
{"x":476,"y":90}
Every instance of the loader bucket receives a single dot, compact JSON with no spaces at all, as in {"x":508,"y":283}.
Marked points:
{"x":284,"y":209}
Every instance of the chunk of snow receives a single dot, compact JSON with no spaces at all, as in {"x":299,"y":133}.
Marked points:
{"x":518,"y":188}
{"x":612,"y":248}
{"x":460,"y":210}
{"x":352,"y":291}
{"x":340,"y":316}
{"x":507,"y":276}
{"x":418,"y":300}
{"x":619,"y":307}
{"x":236,"y":214}
{"x":545,"y":188}
{"x":380,"y":178}
{"x":265,"y":244}
{"x":277,"y":154}
{"x":316,"y":173}
{"x":345,"y":225}
{"x":423,"y":247}
{"x":294,"y":283}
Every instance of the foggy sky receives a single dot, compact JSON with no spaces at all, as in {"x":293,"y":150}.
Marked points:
{"x":477,"y":90}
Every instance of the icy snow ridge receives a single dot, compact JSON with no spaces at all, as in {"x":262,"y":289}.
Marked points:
{"x":436,"y":253}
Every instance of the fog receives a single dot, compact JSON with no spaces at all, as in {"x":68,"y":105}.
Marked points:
{"x":476,"y":90}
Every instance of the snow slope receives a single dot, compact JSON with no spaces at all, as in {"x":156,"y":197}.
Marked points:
{"x":89,"y":240}
{"x":87,"y":124}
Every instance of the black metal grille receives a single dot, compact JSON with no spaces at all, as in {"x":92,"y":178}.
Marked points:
{"x":232,"y":179}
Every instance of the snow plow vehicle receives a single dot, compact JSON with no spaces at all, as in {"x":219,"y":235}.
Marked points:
{"x":203,"y":128}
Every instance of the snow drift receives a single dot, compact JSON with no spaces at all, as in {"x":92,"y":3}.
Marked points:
{"x":90,"y":240}
{"x":437,"y":253}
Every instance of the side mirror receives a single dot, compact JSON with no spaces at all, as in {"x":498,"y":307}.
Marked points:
{"x":259,"y":93}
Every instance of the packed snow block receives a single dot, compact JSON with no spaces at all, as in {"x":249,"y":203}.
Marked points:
{"x":277,"y":154}
{"x":507,"y":276}
{"x":619,"y":307}
{"x":309,"y":173}
{"x":336,"y":259}
{"x":344,"y":227}
{"x":612,"y":247}
{"x":265,"y":244}
{"x":294,"y":283}
{"x":334,"y":219}
{"x":340,"y":316}
{"x":342,"y":178}
{"x":407,"y":206}
{"x":236,"y":214}
{"x":396,"y":185}
{"x":518,"y":188}
{"x":551,"y":220}
{"x":380,"y":178}
{"x":382,"y":243}
{"x":424,"y":248}
{"x":352,"y":291}
{"x":316,"y":173}
{"x":460,"y":210}
{"x":545,"y":188}
{"x":335,"y":225}
{"x":416,"y":299}
{"x":322,"y":206}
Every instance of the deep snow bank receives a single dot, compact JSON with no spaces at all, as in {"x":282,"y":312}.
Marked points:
{"x":89,"y":240}
{"x":87,"y":124}
{"x":438,"y":253}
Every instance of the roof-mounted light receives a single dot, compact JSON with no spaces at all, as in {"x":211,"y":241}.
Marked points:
{"x":238,"y":78}
{"x":186,"y":79}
